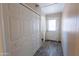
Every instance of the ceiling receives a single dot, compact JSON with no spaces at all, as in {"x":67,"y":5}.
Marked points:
{"x":48,"y":8}
{"x":45,"y":4}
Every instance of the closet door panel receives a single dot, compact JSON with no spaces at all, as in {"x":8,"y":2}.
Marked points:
{"x":36,"y":32}
{"x":21,"y":30}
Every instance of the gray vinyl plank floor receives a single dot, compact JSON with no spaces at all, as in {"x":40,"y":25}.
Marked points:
{"x":50,"y":48}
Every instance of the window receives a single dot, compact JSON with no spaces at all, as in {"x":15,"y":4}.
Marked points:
{"x":51,"y":25}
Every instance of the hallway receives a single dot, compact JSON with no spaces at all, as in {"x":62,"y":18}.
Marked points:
{"x":33,"y":29}
{"x":50,"y":48}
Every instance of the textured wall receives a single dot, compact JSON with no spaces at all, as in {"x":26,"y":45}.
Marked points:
{"x":1,"y":32}
{"x":70,"y":29}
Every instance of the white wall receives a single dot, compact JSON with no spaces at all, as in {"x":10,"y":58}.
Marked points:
{"x":54,"y":35}
{"x":43,"y":26}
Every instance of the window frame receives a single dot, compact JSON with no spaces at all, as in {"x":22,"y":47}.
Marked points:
{"x":48,"y":25}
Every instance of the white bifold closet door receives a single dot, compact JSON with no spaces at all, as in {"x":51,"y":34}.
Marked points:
{"x":24,"y":30}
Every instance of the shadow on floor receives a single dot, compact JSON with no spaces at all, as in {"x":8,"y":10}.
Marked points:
{"x":50,"y":48}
